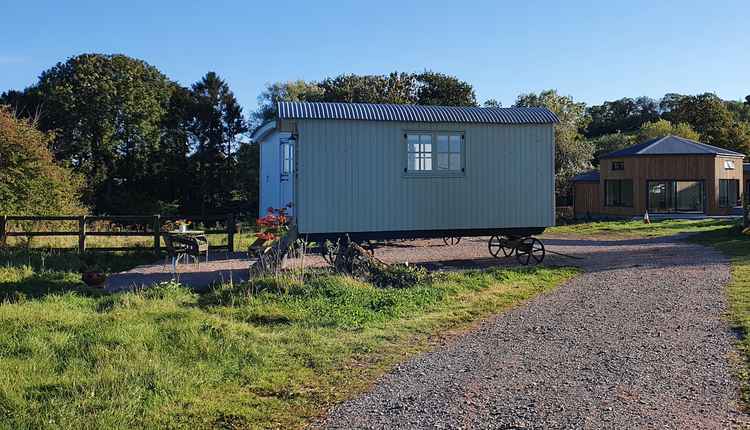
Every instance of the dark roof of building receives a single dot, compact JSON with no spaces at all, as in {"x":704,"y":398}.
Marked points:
{"x":415,"y":113}
{"x":590,"y":176}
{"x":671,"y":145}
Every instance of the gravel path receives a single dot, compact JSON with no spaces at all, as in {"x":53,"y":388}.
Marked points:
{"x":637,"y":341}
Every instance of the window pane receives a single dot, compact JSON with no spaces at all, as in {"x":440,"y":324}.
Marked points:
{"x":425,"y":138}
{"x":657,"y":196}
{"x":412,"y":162}
{"x":443,"y":162}
{"x":442,"y":143}
{"x":689,"y":196}
{"x":626,"y":193}
{"x":455,"y":143}
{"x":412,"y":138}
{"x":455,"y":162}
{"x":413,"y":147}
{"x":426,"y":147}
{"x":427,"y":163}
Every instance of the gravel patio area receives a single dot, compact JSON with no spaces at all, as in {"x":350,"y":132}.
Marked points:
{"x":637,"y":341}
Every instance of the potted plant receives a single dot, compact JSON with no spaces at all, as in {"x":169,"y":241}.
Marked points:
{"x":92,"y":274}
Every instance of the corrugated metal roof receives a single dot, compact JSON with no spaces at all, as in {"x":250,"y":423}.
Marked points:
{"x":590,"y":176}
{"x":415,"y":113}
{"x":671,"y":145}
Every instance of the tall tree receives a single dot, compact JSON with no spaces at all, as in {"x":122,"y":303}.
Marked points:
{"x":107,"y":112}
{"x":443,"y":90}
{"x":623,"y":115}
{"x":573,"y":154}
{"x":215,"y":125}
{"x":293,"y":91}
{"x":710,"y":117}
{"x":427,"y":88}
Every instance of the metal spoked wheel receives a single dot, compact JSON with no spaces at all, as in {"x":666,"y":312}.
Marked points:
{"x":500,"y":244}
{"x":530,"y":250}
{"x":451,"y":241}
{"x":329,"y":250}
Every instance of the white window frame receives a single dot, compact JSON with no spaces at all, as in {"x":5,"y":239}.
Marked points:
{"x":435,"y":154}
{"x":286,"y":158}
{"x":729,"y":165}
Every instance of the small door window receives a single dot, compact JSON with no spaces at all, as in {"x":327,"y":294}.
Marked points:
{"x":287,"y":161}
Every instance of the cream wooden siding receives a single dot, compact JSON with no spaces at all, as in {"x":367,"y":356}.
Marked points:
{"x":351,"y":178}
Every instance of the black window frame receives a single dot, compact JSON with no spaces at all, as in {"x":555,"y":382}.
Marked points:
{"x":618,"y":165}
{"x":724,"y":197}
{"x":618,"y":202}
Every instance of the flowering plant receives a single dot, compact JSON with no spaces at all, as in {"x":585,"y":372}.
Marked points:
{"x":272,"y":226}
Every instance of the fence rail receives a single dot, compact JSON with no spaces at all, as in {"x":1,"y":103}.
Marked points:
{"x":156,"y":222}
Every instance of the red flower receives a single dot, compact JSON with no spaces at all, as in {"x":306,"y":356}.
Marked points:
{"x":270,"y":209}
{"x":265,"y":236}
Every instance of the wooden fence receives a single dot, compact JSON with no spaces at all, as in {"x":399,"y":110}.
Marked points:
{"x":156,"y":222}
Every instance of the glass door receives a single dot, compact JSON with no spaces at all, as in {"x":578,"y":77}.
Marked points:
{"x":676,"y":196}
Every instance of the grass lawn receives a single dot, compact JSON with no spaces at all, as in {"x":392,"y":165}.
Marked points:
{"x":275,"y":356}
{"x":631,"y":229}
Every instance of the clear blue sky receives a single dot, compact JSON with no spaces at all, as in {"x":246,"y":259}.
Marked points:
{"x":592,"y":50}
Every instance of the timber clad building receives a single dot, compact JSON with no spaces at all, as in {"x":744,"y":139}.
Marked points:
{"x":667,"y":175}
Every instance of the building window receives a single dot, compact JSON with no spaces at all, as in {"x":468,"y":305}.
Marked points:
{"x":618,"y":165}
{"x":437,"y":152}
{"x":676,"y":196}
{"x":729,"y":192}
{"x":618,"y":193}
{"x":728,"y":165}
{"x":419,"y":147}
{"x":449,"y":152}
{"x":286,"y":158}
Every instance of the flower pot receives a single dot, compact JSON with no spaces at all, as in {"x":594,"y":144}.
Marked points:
{"x":94,"y":278}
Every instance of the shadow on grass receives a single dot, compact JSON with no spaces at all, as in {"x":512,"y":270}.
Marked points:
{"x":35,"y":273}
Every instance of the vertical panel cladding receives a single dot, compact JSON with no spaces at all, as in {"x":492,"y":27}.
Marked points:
{"x":351,"y":178}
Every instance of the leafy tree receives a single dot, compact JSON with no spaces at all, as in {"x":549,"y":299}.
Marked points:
{"x":443,"y":90}
{"x":610,"y":143}
{"x":247,"y":177}
{"x":663,"y":127}
{"x":710,"y":117}
{"x":293,"y":91}
{"x":215,"y":124}
{"x":31,"y":183}
{"x":427,"y":88}
{"x":623,"y":115}
{"x":492,"y":103}
{"x":106,"y":111}
{"x":573,"y":154}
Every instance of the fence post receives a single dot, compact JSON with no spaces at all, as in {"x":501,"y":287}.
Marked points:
{"x":82,"y":234}
{"x":230,"y":232}
{"x":157,"y":234}
{"x":3,"y":226}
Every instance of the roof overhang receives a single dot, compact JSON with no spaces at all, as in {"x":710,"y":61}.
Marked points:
{"x":264,"y":130}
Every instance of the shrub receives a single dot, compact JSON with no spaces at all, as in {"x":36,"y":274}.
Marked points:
{"x":31,"y":183}
{"x":399,"y":276}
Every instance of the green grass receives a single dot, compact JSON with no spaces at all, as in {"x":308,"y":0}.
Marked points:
{"x":275,"y":355}
{"x":630,"y":229}
{"x":241,"y":241}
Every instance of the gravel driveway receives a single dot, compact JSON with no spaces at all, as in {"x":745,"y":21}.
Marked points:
{"x":637,"y":341}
